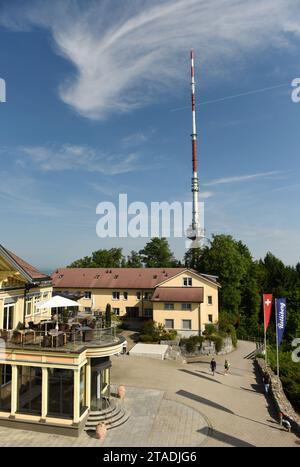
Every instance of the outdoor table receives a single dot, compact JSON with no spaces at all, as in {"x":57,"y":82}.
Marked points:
{"x":25,"y":333}
{"x":87,"y":333}
{"x":45,"y":323}
{"x":58,"y":338}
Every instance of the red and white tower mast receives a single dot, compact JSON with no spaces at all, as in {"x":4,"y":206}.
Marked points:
{"x":195,"y":183}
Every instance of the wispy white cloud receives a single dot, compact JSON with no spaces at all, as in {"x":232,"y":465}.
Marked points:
{"x":242,"y":178}
{"x":136,"y":139}
{"x":22,"y":195}
{"x":75,"y":157}
{"x":205,"y":194}
{"x":126,"y":53}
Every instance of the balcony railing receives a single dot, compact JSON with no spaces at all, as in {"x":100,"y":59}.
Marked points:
{"x":58,"y":339}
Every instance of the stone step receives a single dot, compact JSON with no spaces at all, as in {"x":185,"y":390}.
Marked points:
{"x":106,"y":416}
{"x":112,"y":424}
{"x":116,"y":417}
{"x":96,"y":413}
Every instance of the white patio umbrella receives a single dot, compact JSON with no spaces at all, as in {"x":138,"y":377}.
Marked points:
{"x":57,"y":302}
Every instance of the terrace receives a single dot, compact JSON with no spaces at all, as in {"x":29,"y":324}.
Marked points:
{"x":55,"y":336}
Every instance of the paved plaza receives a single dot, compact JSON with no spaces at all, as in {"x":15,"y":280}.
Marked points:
{"x":174,"y":404}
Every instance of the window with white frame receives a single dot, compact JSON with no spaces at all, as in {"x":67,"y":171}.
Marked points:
{"x":8,"y":316}
{"x":169,"y":306}
{"x":88,"y":294}
{"x":116,"y":311}
{"x":138,"y":295}
{"x":210,"y":318}
{"x":116,"y":295}
{"x":28,"y":308}
{"x":37,"y":299}
{"x":209,"y":300}
{"x":125,"y":295}
{"x":186,"y":306}
{"x":187,"y":324}
{"x":187,"y":282}
{"x":169,"y":323}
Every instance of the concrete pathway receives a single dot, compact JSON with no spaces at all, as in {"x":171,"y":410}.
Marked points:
{"x":154,"y":421}
{"x":181,"y":405}
{"x":236,"y":408}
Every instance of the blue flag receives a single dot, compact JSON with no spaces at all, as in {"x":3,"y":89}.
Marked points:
{"x":281,"y":317}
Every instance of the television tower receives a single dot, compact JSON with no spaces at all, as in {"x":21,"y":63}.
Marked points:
{"x":194,"y":231}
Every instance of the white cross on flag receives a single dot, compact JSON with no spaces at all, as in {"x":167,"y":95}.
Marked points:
{"x":267,"y":299}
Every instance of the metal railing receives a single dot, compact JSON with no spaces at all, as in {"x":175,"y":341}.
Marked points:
{"x":58,"y":338}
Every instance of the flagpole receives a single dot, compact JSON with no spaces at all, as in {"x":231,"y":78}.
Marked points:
{"x":265,"y":332}
{"x":277,"y":349}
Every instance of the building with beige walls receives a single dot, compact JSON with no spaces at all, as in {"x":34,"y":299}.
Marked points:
{"x":50,"y":380}
{"x":21,"y":287}
{"x":178,"y":298}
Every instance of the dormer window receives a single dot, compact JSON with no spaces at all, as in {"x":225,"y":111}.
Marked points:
{"x":187,"y":282}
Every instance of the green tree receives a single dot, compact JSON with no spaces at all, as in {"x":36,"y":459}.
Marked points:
{"x":112,"y":258}
{"x":229,"y":260}
{"x":134,"y":260}
{"x":81,"y":263}
{"x":192,"y":258}
{"x":157,"y":254}
{"x":108,"y":316}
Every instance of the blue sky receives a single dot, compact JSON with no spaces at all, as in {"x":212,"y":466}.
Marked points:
{"x":98,"y":96}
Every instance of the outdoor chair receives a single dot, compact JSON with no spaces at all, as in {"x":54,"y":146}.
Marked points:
{"x":16,"y":338}
{"x":46,"y":341}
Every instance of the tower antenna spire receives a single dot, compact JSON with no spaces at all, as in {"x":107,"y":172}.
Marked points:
{"x":193,"y":232}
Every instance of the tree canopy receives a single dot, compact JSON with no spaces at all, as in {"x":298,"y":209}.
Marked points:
{"x":157,"y":254}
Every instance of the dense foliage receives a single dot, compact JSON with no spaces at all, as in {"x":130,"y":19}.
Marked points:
{"x":155,"y":254}
{"x":153,"y":332}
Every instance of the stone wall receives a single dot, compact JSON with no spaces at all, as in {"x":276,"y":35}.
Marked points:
{"x":281,"y":402}
{"x":207,"y":348}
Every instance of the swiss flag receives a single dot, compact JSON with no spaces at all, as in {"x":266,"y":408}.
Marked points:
{"x":268,"y":299}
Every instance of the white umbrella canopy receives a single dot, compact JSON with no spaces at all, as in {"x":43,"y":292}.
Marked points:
{"x":57,"y":302}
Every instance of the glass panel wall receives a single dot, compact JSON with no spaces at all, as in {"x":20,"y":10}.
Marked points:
{"x":5,"y":388}
{"x":8,"y":316}
{"x":82,"y":390}
{"x":29,"y":390}
{"x":100,"y":383}
{"x":60,"y":393}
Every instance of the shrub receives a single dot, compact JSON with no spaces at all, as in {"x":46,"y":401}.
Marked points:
{"x":210,"y":329}
{"x":146,"y":338}
{"x":150,"y":328}
{"x":218,"y":340}
{"x":168,"y":335}
{"x":260,"y":355}
{"x":197,"y":339}
{"x":108,"y":315}
{"x":192,"y":343}
{"x":190,"y":346}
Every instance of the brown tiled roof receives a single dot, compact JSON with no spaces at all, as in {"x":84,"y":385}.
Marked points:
{"x":34,"y":273}
{"x":178,"y":294}
{"x":127,"y":278}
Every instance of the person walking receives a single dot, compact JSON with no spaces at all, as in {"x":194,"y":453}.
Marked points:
{"x":266,"y":381}
{"x":213,"y":366}
{"x":226,"y":366}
